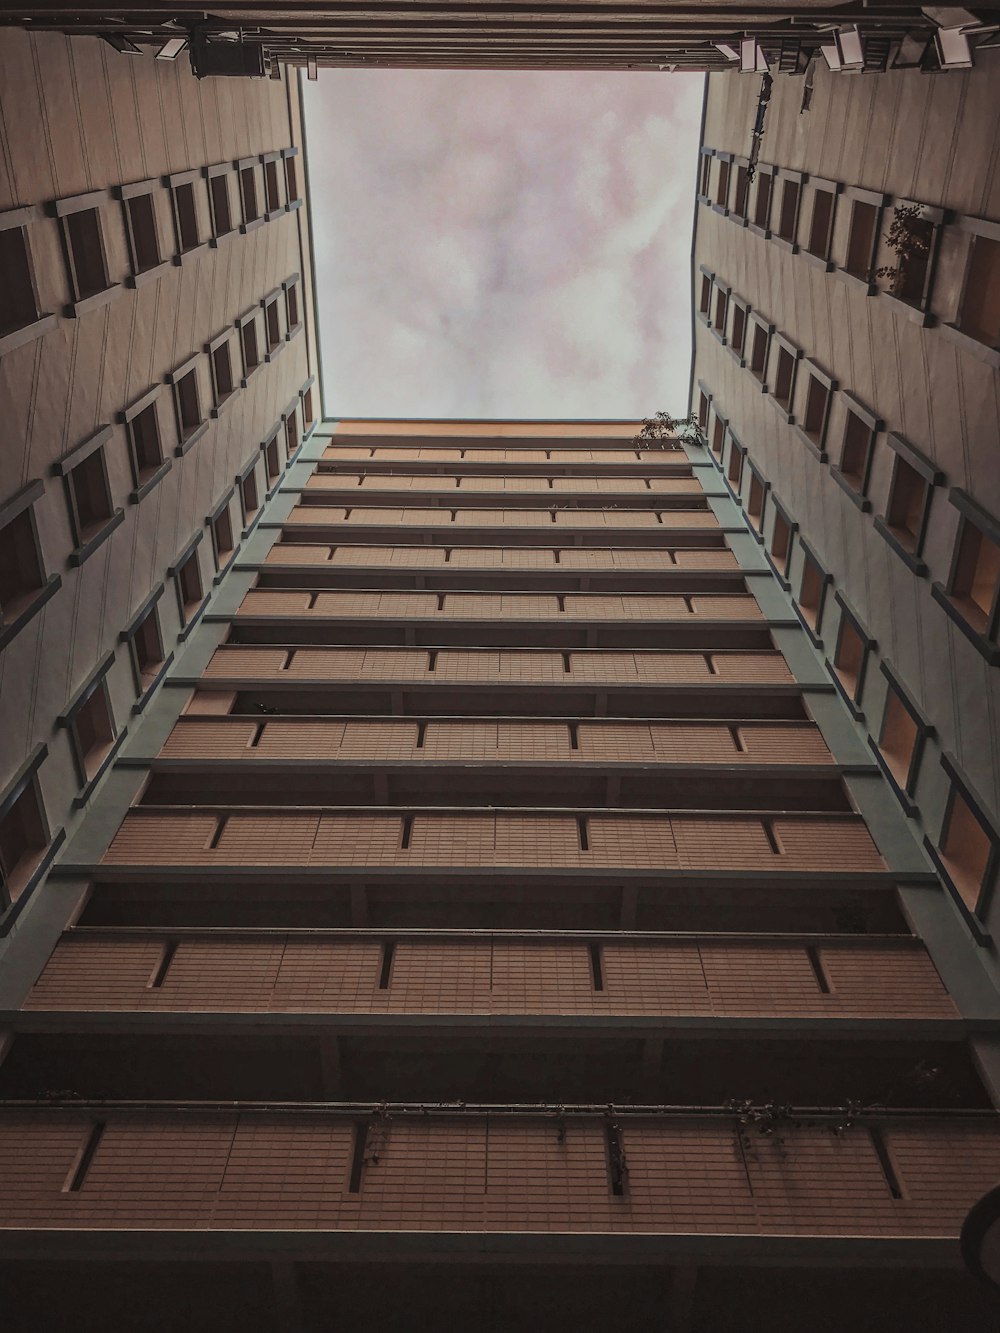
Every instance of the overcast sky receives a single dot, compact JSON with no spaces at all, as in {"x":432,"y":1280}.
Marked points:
{"x":503,"y":244}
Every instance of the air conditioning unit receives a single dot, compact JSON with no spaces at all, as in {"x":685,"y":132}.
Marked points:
{"x":211,"y":56}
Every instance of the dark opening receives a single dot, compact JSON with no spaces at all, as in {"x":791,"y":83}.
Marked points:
{"x":596,"y":967}
{"x":385,"y":972}
{"x":358,"y":1156}
{"x":148,"y":646}
{"x":187,"y":216}
{"x":222,"y":372}
{"x":222,"y":216}
{"x":83,"y":232}
{"x":21,"y":573}
{"x":22,"y":841}
{"x":166,"y":958}
{"x":617,"y":1168}
{"x":248,"y":193}
{"x":19,"y":306}
{"x":861,"y":241}
{"x":90,"y":492}
{"x":272,"y":192}
{"x":144,"y":432}
{"x":788,"y":215}
{"x":142,"y":229}
{"x":885,"y":1161}
{"x":86,"y":1157}
{"x":188,"y":406}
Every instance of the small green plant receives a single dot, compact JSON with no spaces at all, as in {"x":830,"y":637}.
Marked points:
{"x":910,"y":237}
{"x":662,"y":426}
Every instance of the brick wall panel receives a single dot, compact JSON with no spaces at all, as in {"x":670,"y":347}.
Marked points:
{"x":245,"y":663}
{"x":536,"y":977}
{"x":358,"y":840}
{"x":147,"y":839}
{"x":611,"y":741}
{"x":631,"y":842}
{"x":654,"y":979}
{"x":438,"y":977}
{"x":219,"y":740}
{"x":327,"y":974}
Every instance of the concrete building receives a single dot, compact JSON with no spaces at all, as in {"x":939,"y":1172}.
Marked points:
{"x":478,"y":905}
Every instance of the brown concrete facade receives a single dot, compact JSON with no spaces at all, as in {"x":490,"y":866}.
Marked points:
{"x":848,"y":390}
{"x":496,"y":908}
{"x":156,"y":335}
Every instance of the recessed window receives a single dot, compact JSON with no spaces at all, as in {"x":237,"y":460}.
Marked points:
{"x":144,"y":241}
{"x":248,"y":194}
{"x":705,"y":304}
{"x":272,"y":189}
{"x":721,"y":308}
{"x":718,"y":435}
{"x":784,"y":377}
{"x":145,"y":645}
{"x":308,"y":415}
{"x":22,"y":574}
{"x":739,"y":329}
{"x":19,"y":306}
{"x":850,"y":657}
{"x":910,"y":243}
{"x":899,"y":739}
{"x":24,"y":836}
{"x":781,"y":541}
{"x":811,"y":590}
{"x":856,"y":452}
{"x":821,"y":223}
{"x":92,"y":729}
{"x":186,"y":214}
{"x":145,"y":449}
{"x":861,"y":240}
{"x":190,"y":592}
{"x":187,"y":399}
{"x":291,"y":434}
{"x":755,"y":500}
{"x":762,"y":199}
{"x":248,"y":345}
{"x":907,"y":508}
{"x":292,"y":317}
{"x":91,"y":494}
{"x":758,"y":351}
{"x":85,"y":245}
{"x":222,"y":537}
{"x":272,"y":324}
{"x":968,"y":847}
{"x":706,"y":173}
{"x":704,"y":403}
{"x":248,"y":495}
{"x":734,"y":471}
{"x":980,"y":312}
{"x":272,"y":460}
{"x":742,"y":193}
{"x":976,"y":579}
{"x":788,"y":212}
{"x":817,"y":409}
{"x":221,"y":206}
{"x":221,"y":361}
{"x":722,"y":189}
{"x":291,"y":181}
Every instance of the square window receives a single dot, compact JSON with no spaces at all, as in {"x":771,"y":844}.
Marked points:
{"x":85,"y":243}
{"x":272,"y":324}
{"x":248,"y":495}
{"x":291,"y":180}
{"x":190,"y":593}
{"x":272,"y":191}
{"x":899,"y":739}
{"x":817,"y":408}
{"x":784,"y":377}
{"x":248,"y":345}
{"x":91,"y":494}
{"x":980,"y":312}
{"x":977,"y":578}
{"x":223,"y":385}
{"x":186,"y":214}
{"x":222,"y":537}
{"x":811,"y":591}
{"x":93,"y":731}
{"x":906,"y":513}
{"x":967,"y":848}
{"x":218,"y":195}
{"x":861,"y":240}
{"x":144,"y":444}
{"x":248,"y":194}
{"x":821,"y":223}
{"x":144,"y":242}
{"x":788,"y":214}
{"x":758,"y":352}
{"x":21,"y":572}
{"x":850,"y":657}
{"x":188,"y":403}
{"x":292,"y":306}
{"x":17,"y":281}
{"x":762,"y":200}
{"x":24,"y":836}
{"x":781,"y":541}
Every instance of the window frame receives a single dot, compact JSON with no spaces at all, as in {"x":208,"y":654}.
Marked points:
{"x":919,"y":309}
{"x":224,"y":169}
{"x":272,"y":480}
{"x":780,"y":344}
{"x":973,"y":914}
{"x":781,"y":514}
{"x":127,"y":418}
{"x":980,"y":229}
{"x":822,"y":259}
{"x":272,"y":160}
{"x":932,"y":477}
{"x":21,"y":502}
{"x":222,"y":558}
{"x":83,"y":547}
{"x":291,"y":414}
{"x":856,"y":408}
{"x":898,"y":693}
{"x":735,"y":462}
{"x":810,"y":559}
{"x":21,"y":219}
{"x":814,"y":371}
{"x":309,"y":421}
{"x":176,"y":571}
{"x":724,"y":177}
{"x":737,"y":346}
{"x":27,"y":779}
{"x":143,"y":688}
{"x":757,"y":323}
{"x":705,"y":314}
{"x":219,"y":401}
{"x":244,"y":322}
{"x":758,"y":480}
{"x":127,"y":194}
{"x":178,"y":180}
{"x":267,"y":304}
{"x":971,"y":514}
{"x":68,"y":719}
{"x":244,"y":165}
{"x":175,"y":379}
{"x":762,"y":229}
{"x":705,"y":157}
{"x":292,"y":287}
{"x":878,"y":200}
{"x":786,"y":176}
{"x":63,"y":209}
{"x":741,"y":165}
{"x":249,"y":472}
{"x":293,"y":196}
{"x":850,"y":620}
{"x":705,"y":396}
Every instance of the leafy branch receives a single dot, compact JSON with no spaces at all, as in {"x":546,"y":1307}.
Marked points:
{"x":662,"y":426}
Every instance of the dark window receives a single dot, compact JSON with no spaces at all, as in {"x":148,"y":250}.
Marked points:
{"x":222,"y":373}
{"x":722,"y":192}
{"x":755,"y":500}
{"x":187,"y":216}
{"x":222,"y":537}
{"x":272,"y":191}
{"x":811,"y":592}
{"x":248,"y":495}
{"x":735,"y":469}
{"x":742,"y":192}
{"x":21,"y":571}
{"x":907,"y":509}
{"x":856,"y":453}
{"x":291,"y":180}
{"x":308,"y":416}
{"x":292,"y":305}
{"x":23,"y":839}
{"x":849,"y":657}
{"x":817,"y":405}
{"x":861,"y":241}
{"x":758,"y":352}
{"x":914,"y":241}
{"x":721,"y":305}
{"x":272,"y":462}
{"x":718,"y":436}
{"x":222,"y":215}
{"x":781,"y":540}
{"x":189,"y":587}
{"x":248,"y":194}
{"x":739,"y":328}
{"x":703,"y":405}
{"x":188,"y":403}
{"x":705,"y":304}
{"x":272,"y":322}
{"x":19,"y":306}
{"x":248,"y":345}
{"x":762,"y":202}
{"x":821,"y":224}
{"x":142,"y":232}
{"x":86,"y":248}
{"x":976,"y":578}
{"x":706,"y":173}
{"x":898,"y":739}
{"x":93,"y":731}
{"x":147,"y":649}
{"x":784,"y":377}
{"x":789,"y":211}
{"x":980,"y":315}
{"x":144,"y":441}
{"x":968,"y":848}
{"x":291,"y":435}
{"x":91,"y":496}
